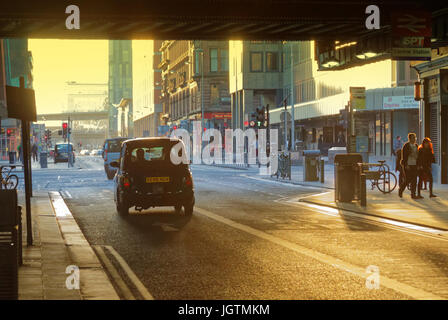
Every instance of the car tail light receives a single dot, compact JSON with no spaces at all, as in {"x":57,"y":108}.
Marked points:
{"x":105,"y":155}
{"x":126,"y":182}
{"x":188,"y":181}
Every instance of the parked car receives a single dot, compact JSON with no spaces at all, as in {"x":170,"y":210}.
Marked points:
{"x":96,"y":152}
{"x":111,"y":152}
{"x":147,"y":177}
{"x":61,"y":152}
{"x":84,"y":152}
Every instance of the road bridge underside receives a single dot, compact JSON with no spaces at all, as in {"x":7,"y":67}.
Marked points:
{"x":199,"y":19}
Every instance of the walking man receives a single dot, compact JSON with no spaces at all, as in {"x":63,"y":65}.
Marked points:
{"x":409,"y":163}
{"x":34,"y":152}
{"x":398,"y":145}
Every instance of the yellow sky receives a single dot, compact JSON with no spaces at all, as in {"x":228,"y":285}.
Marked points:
{"x":58,"y":61}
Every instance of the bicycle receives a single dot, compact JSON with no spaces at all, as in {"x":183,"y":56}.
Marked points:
{"x":8,"y":180}
{"x":383,"y":178}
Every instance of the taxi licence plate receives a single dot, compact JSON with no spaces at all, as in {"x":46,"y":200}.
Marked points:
{"x":157,"y":179}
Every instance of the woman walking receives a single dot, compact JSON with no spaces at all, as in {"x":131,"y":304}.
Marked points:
{"x":425,"y":160}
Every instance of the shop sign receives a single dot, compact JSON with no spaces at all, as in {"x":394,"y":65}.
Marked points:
{"x":358,"y":97}
{"x":400,"y":102}
{"x":218,"y":115}
{"x":411,"y":33}
{"x":362,"y":144}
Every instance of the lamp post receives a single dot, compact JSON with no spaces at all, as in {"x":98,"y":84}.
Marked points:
{"x":201,"y":51}
{"x":293,"y":140}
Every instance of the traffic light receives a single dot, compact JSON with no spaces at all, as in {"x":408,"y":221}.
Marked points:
{"x":260,"y":116}
{"x":8,"y":132}
{"x":64,"y":129}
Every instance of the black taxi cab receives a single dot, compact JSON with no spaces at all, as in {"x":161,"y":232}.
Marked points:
{"x":149,"y":176}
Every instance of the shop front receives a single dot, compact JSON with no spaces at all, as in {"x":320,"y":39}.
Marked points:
{"x":434,"y":112}
{"x":389,"y":113}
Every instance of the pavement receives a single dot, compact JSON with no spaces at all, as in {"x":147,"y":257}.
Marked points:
{"x":59,"y":249}
{"x":428,"y":212}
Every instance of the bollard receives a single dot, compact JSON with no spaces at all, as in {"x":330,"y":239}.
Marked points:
{"x":322,"y":172}
{"x":363,"y":190}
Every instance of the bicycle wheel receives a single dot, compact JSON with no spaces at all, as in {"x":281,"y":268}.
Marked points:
{"x":11,"y":182}
{"x":387,"y":181}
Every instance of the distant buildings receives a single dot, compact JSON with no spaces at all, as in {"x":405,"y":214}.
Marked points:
{"x":147,"y":85}
{"x":195,"y":83}
{"x":120,"y":85}
{"x":86,"y":96}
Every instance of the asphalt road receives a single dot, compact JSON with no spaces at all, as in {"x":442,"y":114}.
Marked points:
{"x":249,"y":238}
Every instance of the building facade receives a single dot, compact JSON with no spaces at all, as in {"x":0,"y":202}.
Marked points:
{"x":433,"y":76}
{"x":16,"y":62}
{"x":195,"y":82}
{"x":147,"y":85}
{"x":321,"y":96}
{"x":255,"y":78}
{"x":120,"y":85}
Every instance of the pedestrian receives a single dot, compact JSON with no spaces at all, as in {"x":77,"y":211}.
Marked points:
{"x":34,"y":152}
{"x":409,"y":154}
{"x":398,"y":144}
{"x":425,"y":160}
{"x":399,"y":168}
{"x":20,"y":152}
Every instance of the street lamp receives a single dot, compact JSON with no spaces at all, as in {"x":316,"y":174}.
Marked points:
{"x":202,"y":85}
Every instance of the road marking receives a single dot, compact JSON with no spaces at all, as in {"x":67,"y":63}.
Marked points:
{"x":59,"y":206}
{"x":321,"y":257}
{"x":282,"y":183}
{"x":124,"y":289}
{"x":132,"y":276}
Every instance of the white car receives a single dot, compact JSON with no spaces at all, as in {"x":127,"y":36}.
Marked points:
{"x":96,"y":152}
{"x":84,"y":152}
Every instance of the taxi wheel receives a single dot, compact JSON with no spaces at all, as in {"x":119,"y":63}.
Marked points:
{"x":178,"y":209}
{"x":188,"y":209}
{"x":122,"y":209}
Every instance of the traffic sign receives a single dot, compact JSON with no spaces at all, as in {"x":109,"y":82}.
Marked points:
{"x":411,"y":23}
{"x":358,"y":97}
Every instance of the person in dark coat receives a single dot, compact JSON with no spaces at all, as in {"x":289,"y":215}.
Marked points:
{"x":34,"y":152}
{"x":425,"y":160}
{"x":399,"y":168}
{"x":409,"y":157}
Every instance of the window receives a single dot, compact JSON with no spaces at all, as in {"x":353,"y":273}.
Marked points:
{"x":271,"y":61}
{"x":214,"y":94}
{"x":197,"y":62}
{"x":224,"y":60}
{"x":213,"y":60}
{"x":256,"y":62}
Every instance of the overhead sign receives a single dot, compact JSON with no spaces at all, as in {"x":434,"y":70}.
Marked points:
{"x":411,"y":23}
{"x":358,"y":97}
{"x":411,"y":53}
{"x":400,"y":102}
{"x":21,"y":103}
{"x":411,"y":33}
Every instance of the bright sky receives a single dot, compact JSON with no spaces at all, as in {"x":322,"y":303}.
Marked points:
{"x":57,"y":61}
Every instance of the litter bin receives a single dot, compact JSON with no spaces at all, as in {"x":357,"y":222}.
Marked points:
{"x":10,"y":249}
{"x":12,"y":157}
{"x":347,"y":177}
{"x":43,"y":160}
{"x":311,"y":165}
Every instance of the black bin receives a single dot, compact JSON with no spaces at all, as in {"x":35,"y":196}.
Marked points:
{"x":10,"y":246}
{"x":311,"y":165}
{"x":347,"y":177}
{"x":12,"y":157}
{"x":43,"y":160}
